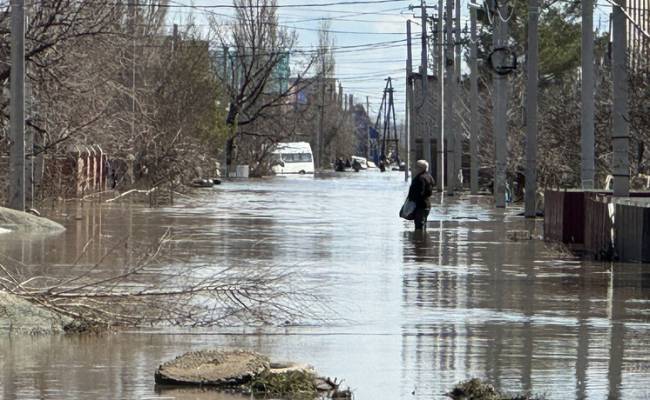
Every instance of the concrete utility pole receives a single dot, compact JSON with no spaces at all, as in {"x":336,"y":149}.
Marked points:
{"x":474,"y":124}
{"x":174,"y":38}
{"x":225,"y":64}
{"x":440,"y":178}
{"x":424,"y":111}
{"x":587,"y":141}
{"x":409,"y":99}
{"x":531,"y":111}
{"x":449,"y":100}
{"x":17,"y":108}
{"x":458,"y":127}
{"x":321,"y":118}
{"x":134,"y":11}
{"x":621,"y":130}
{"x":500,"y":105}
{"x":29,"y":147}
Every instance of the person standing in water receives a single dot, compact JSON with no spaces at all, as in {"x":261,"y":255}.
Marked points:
{"x":420,"y":193}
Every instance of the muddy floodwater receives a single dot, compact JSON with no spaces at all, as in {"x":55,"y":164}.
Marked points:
{"x":411,"y":314}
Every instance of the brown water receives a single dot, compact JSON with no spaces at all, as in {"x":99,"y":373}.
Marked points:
{"x":415,"y":314}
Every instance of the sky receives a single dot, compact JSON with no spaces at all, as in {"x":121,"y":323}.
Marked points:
{"x":362,"y":70}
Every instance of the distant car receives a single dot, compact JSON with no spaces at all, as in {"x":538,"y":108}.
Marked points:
{"x":363,"y":162}
{"x":292,"y":158}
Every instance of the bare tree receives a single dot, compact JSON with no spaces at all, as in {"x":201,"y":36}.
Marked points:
{"x":110,"y":74}
{"x":255,"y":51}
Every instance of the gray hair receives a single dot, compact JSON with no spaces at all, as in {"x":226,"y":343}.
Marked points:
{"x":421,"y":165}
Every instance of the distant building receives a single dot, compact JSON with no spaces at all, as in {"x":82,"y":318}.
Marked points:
{"x":280,"y":76}
{"x":308,"y":92}
{"x":362,"y":124}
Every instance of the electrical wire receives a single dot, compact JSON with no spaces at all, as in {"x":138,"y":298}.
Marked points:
{"x":233,"y":6}
{"x":277,"y":24}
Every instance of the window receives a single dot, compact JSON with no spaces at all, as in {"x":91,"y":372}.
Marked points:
{"x":305,"y":157}
{"x":301,"y":157}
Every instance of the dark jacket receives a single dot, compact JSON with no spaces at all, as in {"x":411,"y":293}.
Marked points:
{"x":421,"y":190}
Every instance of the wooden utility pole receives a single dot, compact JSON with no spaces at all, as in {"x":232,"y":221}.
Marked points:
{"x":620,"y":125}
{"x":17,"y":108}
{"x":449,"y":98}
{"x":409,"y":99}
{"x":531,"y":111}
{"x":474,"y":124}
{"x":587,"y":171}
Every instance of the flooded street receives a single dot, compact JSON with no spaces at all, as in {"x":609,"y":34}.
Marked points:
{"x":411,"y":315}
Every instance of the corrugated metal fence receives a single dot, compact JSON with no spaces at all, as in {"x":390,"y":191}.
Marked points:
{"x":598,"y":224}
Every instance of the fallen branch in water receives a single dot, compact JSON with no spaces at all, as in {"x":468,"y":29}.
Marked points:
{"x":128,"y":192}
{"x":157,"y":289}
{"x":95,"y":194}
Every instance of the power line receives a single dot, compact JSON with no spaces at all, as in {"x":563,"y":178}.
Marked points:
{"x":205,"y":10}
{"x":236,"y":7}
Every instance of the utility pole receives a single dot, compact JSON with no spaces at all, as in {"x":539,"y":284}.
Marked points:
{"x":587,"y":141}
{"x":500,"y":104}
{"x":440,"y":176}
{"x":435,"y":130}
{"x":449,"y":100}
{"x":368,"y":133}
{"x":321,"y":118}
{"x":458,"y":127}
{"x":134,"y":10}
{"x":174,"y":38}
{"x":225,"y":64}
{"x":17,"y":108}
{"x":426,"y":137}
{"x":474,"y":124}
{"x":29,"y":147}
{"x":531,"y":111}
{"x":409,"y":100}
{"x":29,"y":134}
{"x":620,"y":126}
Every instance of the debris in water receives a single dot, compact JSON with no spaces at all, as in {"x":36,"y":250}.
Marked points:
{"x":250,"y":373}
{"x":213,"y":368}
{"x":476,"y":389}
{"x":517,"y":235}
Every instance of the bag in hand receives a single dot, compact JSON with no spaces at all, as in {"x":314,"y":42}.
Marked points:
{"x":408,"y":210}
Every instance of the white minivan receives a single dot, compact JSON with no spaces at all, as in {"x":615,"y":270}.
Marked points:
{"x":293,"y":158}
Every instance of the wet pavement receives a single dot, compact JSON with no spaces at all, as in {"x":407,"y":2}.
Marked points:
{"x":411,"y":314}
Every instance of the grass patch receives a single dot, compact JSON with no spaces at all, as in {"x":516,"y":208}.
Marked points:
{"x":293,"y":384}
{"x":476,"y":389}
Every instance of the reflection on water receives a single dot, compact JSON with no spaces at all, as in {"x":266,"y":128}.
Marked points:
{"x":427,"y":309}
